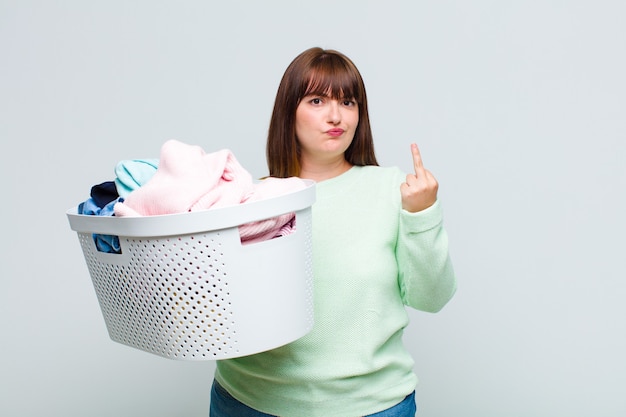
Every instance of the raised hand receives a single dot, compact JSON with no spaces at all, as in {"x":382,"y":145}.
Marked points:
{"x":420,"y":190}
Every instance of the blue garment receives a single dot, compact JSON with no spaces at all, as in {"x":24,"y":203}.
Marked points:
{"x":104,"y":243}
{"x":104,"y":193}
{"x":225,"y":405}
{"x":130,"y":175}
{"x":133,"y":173}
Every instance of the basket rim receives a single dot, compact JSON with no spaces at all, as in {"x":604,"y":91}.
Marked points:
{"x":193,"y":222}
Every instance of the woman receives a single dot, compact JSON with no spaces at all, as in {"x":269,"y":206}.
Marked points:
{"x":378,"y":246}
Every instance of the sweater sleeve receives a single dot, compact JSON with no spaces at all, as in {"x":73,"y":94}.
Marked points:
{"x":426,"y":276}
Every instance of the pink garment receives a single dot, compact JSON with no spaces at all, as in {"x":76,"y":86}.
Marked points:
{"x":188,"y":179}
{"x":277,"y":226}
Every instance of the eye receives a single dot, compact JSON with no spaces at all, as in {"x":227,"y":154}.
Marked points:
{"x":349,"y":103}
{"x":316,"y":100}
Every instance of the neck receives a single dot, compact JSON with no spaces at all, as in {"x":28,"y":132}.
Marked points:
{"x":324,"y":171}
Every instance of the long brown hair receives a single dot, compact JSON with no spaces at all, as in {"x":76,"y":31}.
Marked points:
{"x":319,"y":72}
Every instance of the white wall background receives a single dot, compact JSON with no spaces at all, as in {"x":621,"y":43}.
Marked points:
{"x":519,"y":108}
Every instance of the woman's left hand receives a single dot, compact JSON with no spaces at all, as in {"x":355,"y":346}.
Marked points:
{"x":420,"y":189}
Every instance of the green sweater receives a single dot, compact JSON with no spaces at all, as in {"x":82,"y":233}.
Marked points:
{"x":370,"y":259}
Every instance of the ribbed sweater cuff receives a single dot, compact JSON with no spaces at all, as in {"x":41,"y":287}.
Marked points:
{"x":422,"y":221}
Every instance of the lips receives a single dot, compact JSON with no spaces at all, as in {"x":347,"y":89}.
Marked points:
{"x":335,"y":132}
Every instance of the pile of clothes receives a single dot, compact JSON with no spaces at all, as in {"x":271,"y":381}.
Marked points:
{"x":185,"y":179}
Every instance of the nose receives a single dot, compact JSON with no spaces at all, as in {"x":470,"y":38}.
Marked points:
{"x":334,"y":112}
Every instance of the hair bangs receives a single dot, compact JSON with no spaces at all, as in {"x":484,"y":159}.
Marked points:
{"x":331,"y":77}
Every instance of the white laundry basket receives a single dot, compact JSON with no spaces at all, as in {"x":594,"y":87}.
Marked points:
{"x":184,"y":287}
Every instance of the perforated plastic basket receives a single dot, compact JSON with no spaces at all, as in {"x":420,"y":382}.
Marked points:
{"x":184,"y":287}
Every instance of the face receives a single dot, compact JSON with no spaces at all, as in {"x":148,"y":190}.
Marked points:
{"x":325,"y":126}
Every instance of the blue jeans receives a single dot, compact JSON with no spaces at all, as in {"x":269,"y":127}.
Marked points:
{"x":224,"y":405}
